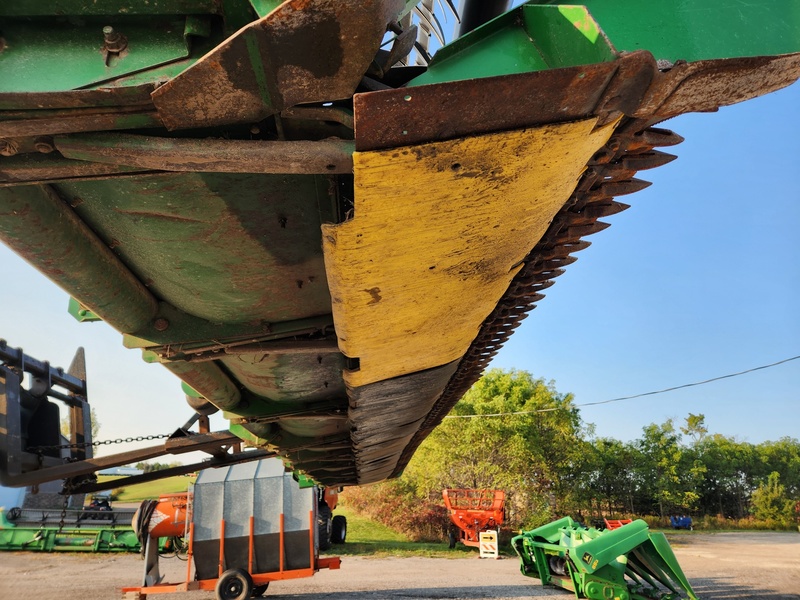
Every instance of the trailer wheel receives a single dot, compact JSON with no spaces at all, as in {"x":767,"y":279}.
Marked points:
{"x":259,"y":590}
{"x":324,"y":526}
{"x":234,"y":584}
{"x":451,"y":538}
{"x":339,"y":529}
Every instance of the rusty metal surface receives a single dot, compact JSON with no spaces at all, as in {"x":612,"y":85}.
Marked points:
{"x":27,"y":169}
{"x":108,"y":96}
{"x":404,"y":117}
{"x":82,"y":120}
{"x":708,"y":84}
{"x":304,"y":51}
{"x":209,"y":155}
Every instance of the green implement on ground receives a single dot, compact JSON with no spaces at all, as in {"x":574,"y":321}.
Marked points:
{"x":629,"y":563}
{"x":53,"y":539}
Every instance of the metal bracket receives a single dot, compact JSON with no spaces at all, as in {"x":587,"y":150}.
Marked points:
{"x":30,"y":436}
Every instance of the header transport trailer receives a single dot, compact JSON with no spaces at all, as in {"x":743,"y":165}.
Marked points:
{"x":321,"y":229}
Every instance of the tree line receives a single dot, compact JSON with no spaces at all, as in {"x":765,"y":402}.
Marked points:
{"x":515,"y":432}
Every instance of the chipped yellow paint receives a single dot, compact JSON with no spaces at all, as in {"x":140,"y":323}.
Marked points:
{"x":438,"y":233}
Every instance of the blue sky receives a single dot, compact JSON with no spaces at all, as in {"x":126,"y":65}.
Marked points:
{"x":698,"y":279}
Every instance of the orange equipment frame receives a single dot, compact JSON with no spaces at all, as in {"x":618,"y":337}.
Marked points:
{"x":334,"y":562}
{"x":616,"y":523}
{"x":473,"y":511}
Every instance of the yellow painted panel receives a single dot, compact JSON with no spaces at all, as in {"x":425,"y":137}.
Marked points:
{"x":438,"y":233}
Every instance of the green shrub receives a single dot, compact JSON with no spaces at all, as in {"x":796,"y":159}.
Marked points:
{"x":391,"y":504}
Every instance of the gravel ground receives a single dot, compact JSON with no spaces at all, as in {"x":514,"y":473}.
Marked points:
{"x":724,"y":566}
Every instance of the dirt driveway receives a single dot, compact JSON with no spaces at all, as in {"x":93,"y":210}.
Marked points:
{"x":725,"y":566}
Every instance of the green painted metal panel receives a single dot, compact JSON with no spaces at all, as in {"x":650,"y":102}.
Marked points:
{"x":231,"y":248}
{"x":35,"y":52}
{"x":549,"y":35}
{"x":48,"y":539}
{"x":626,"y":563}
{"x":80,"y":312}
{"x":40,"y":8}
{"x":529,"y":38}
{"x":264,"y":7}
{"x":566,"y":36}
{"x":688,"y":30}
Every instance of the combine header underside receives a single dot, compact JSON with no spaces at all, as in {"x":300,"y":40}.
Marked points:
{"x":628,"y":563}
{"x":319,"y":237}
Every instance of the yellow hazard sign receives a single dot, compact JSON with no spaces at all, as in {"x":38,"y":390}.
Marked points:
{"x":488,"y":544}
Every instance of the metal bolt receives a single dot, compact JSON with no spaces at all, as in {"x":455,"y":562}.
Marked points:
{"x":8,"y":148}
{"x":115,"y":42}
{"x":161,"y":324}
{"x":44,"y":145}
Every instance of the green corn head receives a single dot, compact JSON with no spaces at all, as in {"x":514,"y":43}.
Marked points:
{"x":629,"y":563}
{"x":51,"y":539}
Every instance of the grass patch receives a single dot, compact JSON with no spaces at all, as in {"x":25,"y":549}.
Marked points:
{"x":150,"y":490}
{"x":368,"y":538}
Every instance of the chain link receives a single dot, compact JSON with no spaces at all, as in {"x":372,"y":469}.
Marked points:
{"x":141,"y":438}
{"x":67,"y":496}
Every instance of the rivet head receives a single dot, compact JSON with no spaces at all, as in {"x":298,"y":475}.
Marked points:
{"x":161,"y":324}
{"x":44,"y":145}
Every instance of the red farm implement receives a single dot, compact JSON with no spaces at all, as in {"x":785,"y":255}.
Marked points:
{"x":473,"y":511}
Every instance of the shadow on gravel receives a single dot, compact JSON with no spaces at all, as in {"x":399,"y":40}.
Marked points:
{"x":725,"y":588}
{"x":461,"y":593}
{"x":709,"y":588}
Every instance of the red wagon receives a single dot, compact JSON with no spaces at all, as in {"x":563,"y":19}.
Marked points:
{"x":473,"y":511}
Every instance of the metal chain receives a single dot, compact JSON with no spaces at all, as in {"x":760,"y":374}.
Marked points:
{"x":67,"y":496}
{"x":140,"y":438}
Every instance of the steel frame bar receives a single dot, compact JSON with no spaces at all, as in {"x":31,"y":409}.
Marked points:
{"x":204,"y":442}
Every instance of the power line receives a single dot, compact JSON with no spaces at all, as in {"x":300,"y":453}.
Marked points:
{"x":620,"y":399}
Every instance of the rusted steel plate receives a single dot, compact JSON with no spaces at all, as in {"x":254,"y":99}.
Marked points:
{"x":303,"y":51}
{"x":37,"y":168}
{"x":112,"y":96}
{"x":443,"y":111}
{"x":89,"y":120}
{"x":210,"y":155}
{"x":708,"y":84}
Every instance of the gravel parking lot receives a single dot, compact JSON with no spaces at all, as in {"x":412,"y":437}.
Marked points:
{"x":723,"y":566}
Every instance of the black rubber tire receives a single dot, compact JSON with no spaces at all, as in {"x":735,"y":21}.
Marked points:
{"x":451,"y":539}
{"x":260,"y":590}
{"x":324,"y":525}
{"x":14,"y":513}
{"x":339,"y":529}
{"x":234,"y":584}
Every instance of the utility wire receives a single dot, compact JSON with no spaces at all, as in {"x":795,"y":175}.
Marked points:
{"x":620,"y":399}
